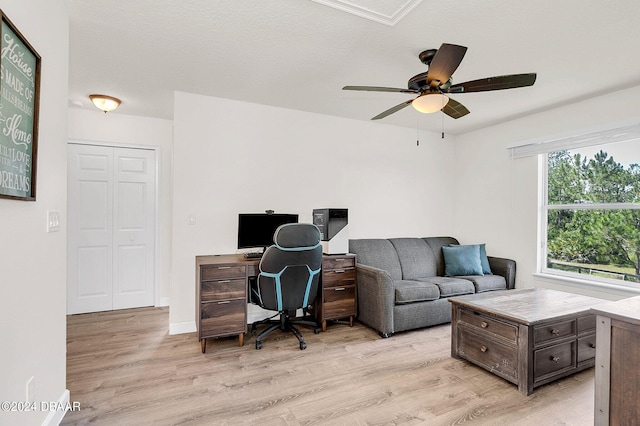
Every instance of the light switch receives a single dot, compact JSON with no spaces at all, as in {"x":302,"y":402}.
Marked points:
{"x":191,"y":220}
{"x":53,"y":221}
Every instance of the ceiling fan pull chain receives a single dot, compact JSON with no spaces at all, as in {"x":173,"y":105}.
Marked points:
{"x":418,"y":132}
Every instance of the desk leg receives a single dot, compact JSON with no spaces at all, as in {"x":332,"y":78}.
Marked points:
{"x":203,"y":345}
{"x":351,"y":321}
{"x":324,"y":325}
{"x":241,"y":339}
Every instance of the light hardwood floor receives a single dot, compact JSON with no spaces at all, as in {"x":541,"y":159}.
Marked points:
{"x":125,"y":369}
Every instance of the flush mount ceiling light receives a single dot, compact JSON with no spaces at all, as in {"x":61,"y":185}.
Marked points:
{"x":104,"y":102}
{"x":430,"y":102}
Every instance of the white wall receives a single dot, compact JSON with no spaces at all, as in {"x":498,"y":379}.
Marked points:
{"x":33,"y":262}
{"x":126,"y":130}
{"x":232,"y":157}
{"x":497,"y":198}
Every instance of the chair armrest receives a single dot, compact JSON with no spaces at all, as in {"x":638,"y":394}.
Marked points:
{"x":376,"y":298}
{"x":504,"y":267}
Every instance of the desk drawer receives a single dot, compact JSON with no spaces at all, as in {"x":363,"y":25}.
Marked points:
{"x":223,"y":290}
{"x":338,"y":277}
{"x":547,"y":333}
{"x":586,"y":324}
{"x":217,"y":272}
{"x":489,"y":324}
{"x":586,"y":348}
{"x":493,"y":356}
{"x":553,"y":360}
{"x":222,"y":318}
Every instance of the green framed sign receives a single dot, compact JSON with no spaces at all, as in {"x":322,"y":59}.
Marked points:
{"x":19,"y":108}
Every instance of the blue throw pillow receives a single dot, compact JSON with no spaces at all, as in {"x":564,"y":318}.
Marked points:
{"x":462,"y":260}
{"x":484,"y":261}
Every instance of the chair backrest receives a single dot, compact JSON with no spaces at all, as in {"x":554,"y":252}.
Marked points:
{"x":290,"y":269}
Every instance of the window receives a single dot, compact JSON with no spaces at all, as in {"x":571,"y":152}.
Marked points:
{"x":591,"y":213}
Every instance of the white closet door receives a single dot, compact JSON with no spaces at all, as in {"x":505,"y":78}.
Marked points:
{"x":111,"y":237}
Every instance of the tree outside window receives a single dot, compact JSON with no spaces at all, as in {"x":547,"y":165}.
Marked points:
{"x":593,"y":213}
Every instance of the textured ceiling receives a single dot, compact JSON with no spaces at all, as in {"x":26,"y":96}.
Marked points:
{"x":298,"y":54}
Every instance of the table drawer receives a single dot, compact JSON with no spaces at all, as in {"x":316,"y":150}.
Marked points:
{"x":338,"y":262}
{"x":338,"y":277}
{"x":586,"y":347}
{"x":554,"y":359}
{"x":339,"y":302}
{"x":546,"y":333}
{"x":496,"y":357}
{"x":223,"y":290}
{"x":216,"y":272}
{"x":586,"y":324}
{"x":222,"y":318}
{"x":489,"y":324}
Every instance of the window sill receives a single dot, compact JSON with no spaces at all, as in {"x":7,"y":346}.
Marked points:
{"x":617,"y":291}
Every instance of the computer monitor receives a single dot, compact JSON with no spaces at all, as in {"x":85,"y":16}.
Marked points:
{"x":255,"y":230}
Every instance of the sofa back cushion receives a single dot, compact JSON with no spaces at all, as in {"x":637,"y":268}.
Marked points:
{"x":416,"y":258}
{"x":436,"y":244}
{"x":377,"y":253}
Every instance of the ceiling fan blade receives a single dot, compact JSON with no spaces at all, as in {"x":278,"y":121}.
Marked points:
{"x":392,"y":110}
{"x":379,"y":89}
{"x":444,"y":63}
{"x":455,"y":109}
{"x":494,"y":83}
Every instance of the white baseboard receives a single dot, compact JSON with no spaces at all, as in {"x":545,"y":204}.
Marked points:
{"x":55,"y":417}
{"x":182,"y":327}
{"x":164,"y":301}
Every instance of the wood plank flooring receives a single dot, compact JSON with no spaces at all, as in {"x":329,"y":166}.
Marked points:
{"x":125,"y":369}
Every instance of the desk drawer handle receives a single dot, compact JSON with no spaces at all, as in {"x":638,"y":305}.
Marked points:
{"x":483,"y":348}
{"x":339,"y":271}
{"x":592,"y":345}
{"x":224,"y":302}
{"x":224,"y":281}
{"x":555,"y":359}
{"x":224,"y":267}
{"x":484,"y":324}
{"x":555,"y":332}
{"x":340,"y":289}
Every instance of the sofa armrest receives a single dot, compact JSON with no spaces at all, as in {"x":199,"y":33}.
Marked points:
{"x":504,"y":267}
{"x":376,"y":298}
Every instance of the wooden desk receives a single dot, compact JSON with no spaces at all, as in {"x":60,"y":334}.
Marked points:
{"x":222,"y":283}
{"x":617,"y":389}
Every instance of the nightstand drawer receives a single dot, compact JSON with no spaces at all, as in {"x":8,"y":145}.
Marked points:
{"x":338,"y":277}
{"x":549,"y":332}
{"x":338,"y":262}
{"x":488,"y":324}
{"x":223,"y":290}
{"x":222,"y":318}
{"x":216,"y":272}
{"x":496,"y":357}
{"x":339,"y":302}
{"x":549,"y":361}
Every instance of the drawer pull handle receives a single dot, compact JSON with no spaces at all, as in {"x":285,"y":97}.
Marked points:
{"x":555,"y":332}
{"x":483,"y":324}
{"x":592,"y":345}
{"x":224,"y":281}
{"x":224,"y":267}
{"x":224,"y":302}
{"x":339,"y":271}
{"x":483,"y":348}
{"x":340,"y":289}
{"x":555,"y":359}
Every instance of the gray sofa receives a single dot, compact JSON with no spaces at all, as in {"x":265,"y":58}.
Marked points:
{"x":401,"y":283}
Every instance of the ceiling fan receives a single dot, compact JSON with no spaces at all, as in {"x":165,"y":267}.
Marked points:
{"x":431,"y":86}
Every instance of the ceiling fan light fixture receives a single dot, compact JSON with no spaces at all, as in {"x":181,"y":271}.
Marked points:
{"x":104,"y":102}
{"x":430,"y":102}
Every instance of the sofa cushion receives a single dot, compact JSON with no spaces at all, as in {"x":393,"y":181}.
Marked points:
{"x":451,"y":286}
{"x":436,"y":244}
{"x":377,"y":253}
{"x":484,"y":283}
{"x":410,"y":291}
{"x":416,"y":258}
{"x":462,"y":260}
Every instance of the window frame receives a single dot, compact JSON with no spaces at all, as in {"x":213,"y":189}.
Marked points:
{"x":543,"y":215}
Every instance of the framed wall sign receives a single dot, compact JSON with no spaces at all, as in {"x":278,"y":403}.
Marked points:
{"x":19,"y":107}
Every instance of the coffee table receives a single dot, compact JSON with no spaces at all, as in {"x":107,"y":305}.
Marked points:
{"x":528,"y":336}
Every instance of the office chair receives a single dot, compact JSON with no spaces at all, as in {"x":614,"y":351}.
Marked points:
{"x":288,"y":279}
